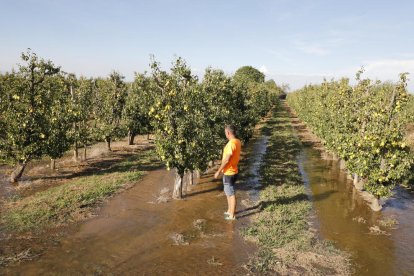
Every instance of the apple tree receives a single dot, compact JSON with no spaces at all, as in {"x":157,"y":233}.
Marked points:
{"x":137,"y":106}
{"x":108,"y":105}
{"x":182,"y":136}
{"x":30,"y":96}
{"x":82,"y":96}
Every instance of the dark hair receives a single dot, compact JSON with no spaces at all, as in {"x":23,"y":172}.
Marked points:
{"x":231,"y":128}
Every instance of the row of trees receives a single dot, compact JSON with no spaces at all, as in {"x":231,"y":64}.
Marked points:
{"x":45,"y":112}
{"x":189,"y":115}
{"x":363,"y":124}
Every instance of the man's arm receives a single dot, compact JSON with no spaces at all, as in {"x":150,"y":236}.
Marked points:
{"x":223,"y":164}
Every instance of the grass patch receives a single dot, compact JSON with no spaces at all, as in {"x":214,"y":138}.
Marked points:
{"x":70,"y":201}
{"x":286,"y":245}
{"x":388,"y":222}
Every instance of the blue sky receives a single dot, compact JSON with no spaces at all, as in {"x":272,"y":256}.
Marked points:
{"x":293,"y":42}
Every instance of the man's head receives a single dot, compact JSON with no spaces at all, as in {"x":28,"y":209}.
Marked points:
{"x":230,"y":131}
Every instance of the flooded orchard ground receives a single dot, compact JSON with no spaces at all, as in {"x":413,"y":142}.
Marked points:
{"x":143,"y":232}
{"x":342,"y":216}
{"x":134,"y":234}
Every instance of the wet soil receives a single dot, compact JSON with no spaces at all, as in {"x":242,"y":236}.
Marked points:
{"x":134,"y":235}
{"x":20,"y":247}
{"x":142,"y":231}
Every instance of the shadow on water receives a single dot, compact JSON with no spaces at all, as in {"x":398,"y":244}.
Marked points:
{"x":401,"y":200}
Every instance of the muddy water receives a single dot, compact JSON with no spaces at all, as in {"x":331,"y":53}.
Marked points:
{"x":343,"y":217}
{"x":135,"y":233}
{"x":257,"y":152}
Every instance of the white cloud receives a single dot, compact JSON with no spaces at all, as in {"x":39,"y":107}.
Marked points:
{"x":264,"y":70}
{"x":389,"y":68}
{"x":383,"y":70}
{"x":408,"y":55}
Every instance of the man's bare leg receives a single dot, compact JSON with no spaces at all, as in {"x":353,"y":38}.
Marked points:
{"x":232,"y":205}
{"x":228,"y":204}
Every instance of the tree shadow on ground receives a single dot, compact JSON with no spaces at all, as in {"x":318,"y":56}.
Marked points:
{"x":246,"y":212}
{"x":265,"y":204}
{"x":217,"y":188}
{"x":141,"y":160}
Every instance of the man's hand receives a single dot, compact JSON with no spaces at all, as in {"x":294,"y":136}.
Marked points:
{"x":223,"y":164}
{"x":217,"y":174}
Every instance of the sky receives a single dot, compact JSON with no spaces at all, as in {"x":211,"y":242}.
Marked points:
{"x":293,"y":42}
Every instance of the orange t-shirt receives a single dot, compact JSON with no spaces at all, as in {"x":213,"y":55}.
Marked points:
{"x":233,"y":147}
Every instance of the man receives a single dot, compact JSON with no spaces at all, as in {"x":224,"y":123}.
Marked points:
{"x":231,"y":157}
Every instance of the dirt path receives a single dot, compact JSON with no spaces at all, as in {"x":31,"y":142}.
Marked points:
{"x":137,"y":233}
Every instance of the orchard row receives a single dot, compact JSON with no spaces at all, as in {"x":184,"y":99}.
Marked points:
{"x":46,"y":112}
{"x":364,"y":124}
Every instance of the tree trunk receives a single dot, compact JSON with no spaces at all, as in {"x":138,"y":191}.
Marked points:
{"x":84,"y":153}
{"x":197,"y":175}
{"x":148,"y":136}
{"x":359,"y":185}
{"x":178,"y":186}
{"x":18,"y":171}
{"x":131,"y":137}
{"x":382,"y":165}
{"x":354,"y":198}
{"x":191,"y":176}
{"x":108,"y":143}
{"x":75,"y":151}
{"x":52,"y":164}
{"x":376,"y":205}
{"x":185,"y":185}
{"x":342,"y":164}
{"x":391,"y":105}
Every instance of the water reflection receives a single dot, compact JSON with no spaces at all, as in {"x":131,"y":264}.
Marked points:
{"x":342,"y":216}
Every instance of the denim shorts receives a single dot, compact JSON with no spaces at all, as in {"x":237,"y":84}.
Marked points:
{"x":228,"y":182}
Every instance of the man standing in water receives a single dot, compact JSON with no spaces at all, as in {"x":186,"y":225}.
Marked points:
{"x":231,"y":157}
